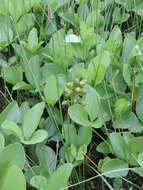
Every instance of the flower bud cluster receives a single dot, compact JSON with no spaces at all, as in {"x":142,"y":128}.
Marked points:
{"x":74,"y":91}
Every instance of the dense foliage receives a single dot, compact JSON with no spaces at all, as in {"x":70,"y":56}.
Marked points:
{"x":72,"y":82}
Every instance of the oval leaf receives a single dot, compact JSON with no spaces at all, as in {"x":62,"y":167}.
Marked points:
{"x":140,"y":159}
{"x":11,"y":112}
{"x":13,"y":128}
{"x":128,"y":120}
{"x":32,"y":119}
{"x":11,"y":155}
{"x":47,"y":157}
{"x":2,"y":142}
{"x":139,"y":108}
{"x":39,"y":182}
{"x":60,"y":177}
{"x":115,"y":168}
{"x":14,"y":179}
{"x":52,"y":90}
{"x":37,"y":137}
{"x":79,"y":115}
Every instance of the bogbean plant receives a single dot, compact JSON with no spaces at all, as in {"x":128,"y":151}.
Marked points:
{"x":72,"y":73}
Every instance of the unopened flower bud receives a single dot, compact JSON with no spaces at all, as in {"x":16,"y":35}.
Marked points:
{"x":68,"y":92}
{"x":82,"y":83}
{"x":62,"y":23}
{"x":57,"y":146}
{"x":65,"y":103}
{"x":77,"y":99}
{"x":78,"y":89}
{"x":50,"y":13}
{"x":133,"y":73}
{"x":70,"y":85}
{"x":71,"y":72}
{"x":76,"y":81}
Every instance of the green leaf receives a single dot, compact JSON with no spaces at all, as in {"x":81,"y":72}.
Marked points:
{"x":128,"y":120}
{"x":104,"y":147}
{"x":14,"y":179}
{"x":119,"y":146}
{"x":115,"y":40}
{"x":139,"y":79}
{"x":15,"y":8}
{"x":82,"y":149}
{"x":140,"y":159}
{"x":73,"y":150}
{"x":115,"y":168}
{"x":70,"y":135}
{"x":51,"y":69}
{"x":36,"y":137}
{"x":47,"y":157}
{"x":8,"y":73}
{"x":32,"y":119}
{"x":6,"y":33}
{"x":138,"y":170}
{"x":33,"y":39}
{"x":101,"y":162}
{"x":61,"y":52}
{"x":2,"y":142}
{"x":84,"y":136}
{"x":135,"y":148}
{"x":117,"y":183}
{"x":50,"y":127}
{"x":128,"y":45}
{"x":22,"y":86}
{"x":31,"y":3}
{"x":52,"y":90}
{"x":12,"y":154}
{"x":39,"y":182}
{"x":139,"y":92}
{"x":119,"y":17}
{"x":33,"y":44}
{"x":33,"y":71}
{"x":99,"y":122}
{"x":11,"y":112}
{"x":87,"y":34}
{"x":77,"y":137}
{"x":101,"y":63}
{"x":23,"y":109}
{"x":127,"y":74}
{"x":13,"y":128}
{"x":136,"y":51}
{"x":25,"y":23}
{"x":92,"y":102}
{"x":72,"y":38}
{"x":35,"y":171}
{"x":60,"y":177}
{"x":139,"y":108}
{"x":79,"y":115}
{"x":77,"y":153}
{"x":121,"y":106}
{"x":127,"y":137}
{"x":100,"y":70}
{"x":135,"y":145}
